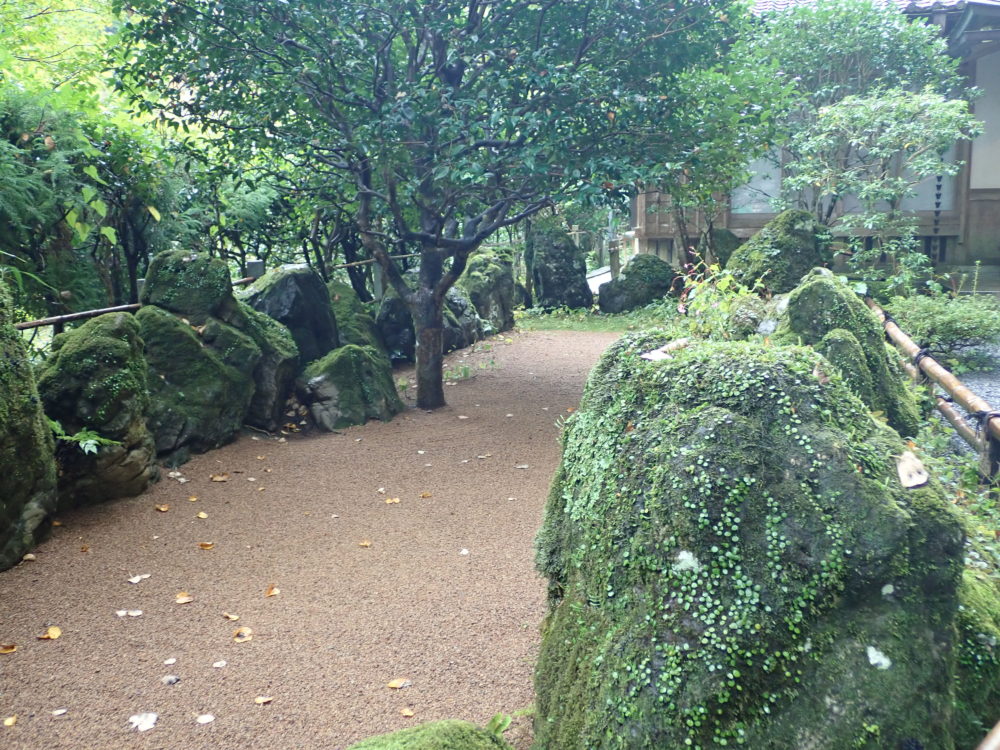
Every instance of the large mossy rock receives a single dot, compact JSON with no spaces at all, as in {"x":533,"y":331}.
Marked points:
{"x":28,"y":480}
{"x":489,"y":282}
{"x":644,"y":279}
{"x":191,"y":285}
{"x":724,"y":244}
{"x":200,"y":382}
{"x":462,"y":325}
{"x":355,"y":321}
{"x":977,"y":684}
{"x":449,"y":734}
{"x":95,"y":379}
{"x":296,"y":297}
{"x":349,"y":386}
{"x":557,"y":266}
{"x":275,"y":371}
{"x":824,"y":312}
{"x":733,"y":560}
{"x":780,"y":254}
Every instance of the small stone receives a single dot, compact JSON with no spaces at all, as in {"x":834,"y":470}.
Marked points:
{"x":205,"y":719}
{"x":170,"y":661}
{"x":170,"y":679}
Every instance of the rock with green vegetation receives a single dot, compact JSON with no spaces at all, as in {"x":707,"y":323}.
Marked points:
{"x":95,"y":379}
{"x":28,"y":480}
{"x":449,"y":734}
{"x":780,"y":254}
{"x":191,"y":285}
{"x":823,"y":303}
{"x":732,"y":560}
{"x":724,"y":244}
{"x":355,"y":321}
{"x":522,"y":297}
{"x":297,"y":298}
{"x":489,"y":282}
{"x":977,"y":683}
{"x":275,"y":371}
{"x":462,"y":325}
{"x":198,"y":395}
{"x":644,"y":279}
{"x":558,"y":268}
{"x":348,"y":386}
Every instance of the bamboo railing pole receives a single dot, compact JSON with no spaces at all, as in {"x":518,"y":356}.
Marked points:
{"x":73,"y":316}
{"x":940,"y":375}
{"x":992,"y":740}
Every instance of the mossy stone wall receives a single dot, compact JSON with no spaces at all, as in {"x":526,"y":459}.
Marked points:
{"x":28,"y":480}
{"x":733,"y":561}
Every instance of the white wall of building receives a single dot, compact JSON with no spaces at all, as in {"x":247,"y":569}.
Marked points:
{"x":985,"y":166}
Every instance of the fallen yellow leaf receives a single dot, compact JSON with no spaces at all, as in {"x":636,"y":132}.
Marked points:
{"x":85,"y":548}
{"x":407,"y":712}
{"x":391,"y":500}
{"x":231,"y":618}
{"x":425,"y":494}
{"x":50,"y":634}
{"x":163,"y":508}
{"x":220,"y":477}
{"x":8,"y":648}
{"x":206,"y":545}
{"x":57,"y":523}
{"x":193,"y":499}
{"x":272,"y":590}
{"x":10,"y":721}
{"x":399,"y":682}
{"x":183,"y":597}
{"x":242,"y":635}
{"x":261,"y":458}
{"x":262,"y":700}
{"x":364,"y":543}
{"x":202,"y":514}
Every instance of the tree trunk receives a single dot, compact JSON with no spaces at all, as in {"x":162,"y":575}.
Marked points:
{"x":428,"y":324}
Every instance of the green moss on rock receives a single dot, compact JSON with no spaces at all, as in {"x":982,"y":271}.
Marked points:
{"x":732,"y":561}
{"x":274,"y":373}
{"x":449,"y":734}
{"x":349,"y":386}
{"x":780,"y":254}
{"x":724,"y":244}
{"x":489,"y":282}
{"x":558,"y":268}
{"x":977,"y":683}
{"x":822,"y":304}
{"x":95,"y":379}
{"x":644,"y":279}
{"x":354,"y":319}
{"x":28,"y":479}
{"x":197,"y":401}
{"x":191,"y":285}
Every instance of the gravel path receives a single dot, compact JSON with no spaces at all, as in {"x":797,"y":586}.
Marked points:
{"x":445,"y":597}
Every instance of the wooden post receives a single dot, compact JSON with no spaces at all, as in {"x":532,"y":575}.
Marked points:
{"x":615,"y":259}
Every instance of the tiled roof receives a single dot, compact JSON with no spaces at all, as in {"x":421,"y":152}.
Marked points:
{"x":907,"y":6}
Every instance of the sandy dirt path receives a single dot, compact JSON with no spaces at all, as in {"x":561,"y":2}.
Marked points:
{"x":446,"y":595}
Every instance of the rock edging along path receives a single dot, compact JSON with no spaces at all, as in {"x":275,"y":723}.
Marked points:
{"x":445,"y":597}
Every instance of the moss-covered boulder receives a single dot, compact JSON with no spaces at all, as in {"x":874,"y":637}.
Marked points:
{"x":644,"y":279}
{"x":296,"y":297}
{"x":489,"y":282}
{"x":198,"y":395}
{"x":558,"y":268}
{"x":355,"y":321}
{"x":824,"y":312}
{"x":449,"y":734}
{"x":977,"y":680}
{"x":462,"y":325}
{"x":28,"y":479}
{"x":275,"y":371}
{"x":95,"y":379}
{"x":191,"y":285}
{"x":349,"y":386}
{"x":781,"y":253}
{"x":732,"y":560}
{"x":723,"y":245}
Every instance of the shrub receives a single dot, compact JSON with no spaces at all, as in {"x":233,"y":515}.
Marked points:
{"x":949,"y":324}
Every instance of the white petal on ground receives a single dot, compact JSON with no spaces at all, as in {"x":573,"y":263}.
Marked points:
{"x":143,"y":722}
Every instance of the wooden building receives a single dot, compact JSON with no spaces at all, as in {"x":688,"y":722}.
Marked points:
{"x":959,"y":217}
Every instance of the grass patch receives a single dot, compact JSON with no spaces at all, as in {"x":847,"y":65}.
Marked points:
{"x":659,"y":313}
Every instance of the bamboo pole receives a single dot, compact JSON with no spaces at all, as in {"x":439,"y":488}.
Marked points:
{"x":58,"y":319}
{"x":992,"y":740}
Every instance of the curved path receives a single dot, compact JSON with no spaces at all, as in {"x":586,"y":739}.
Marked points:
{"x":445,"y":597}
